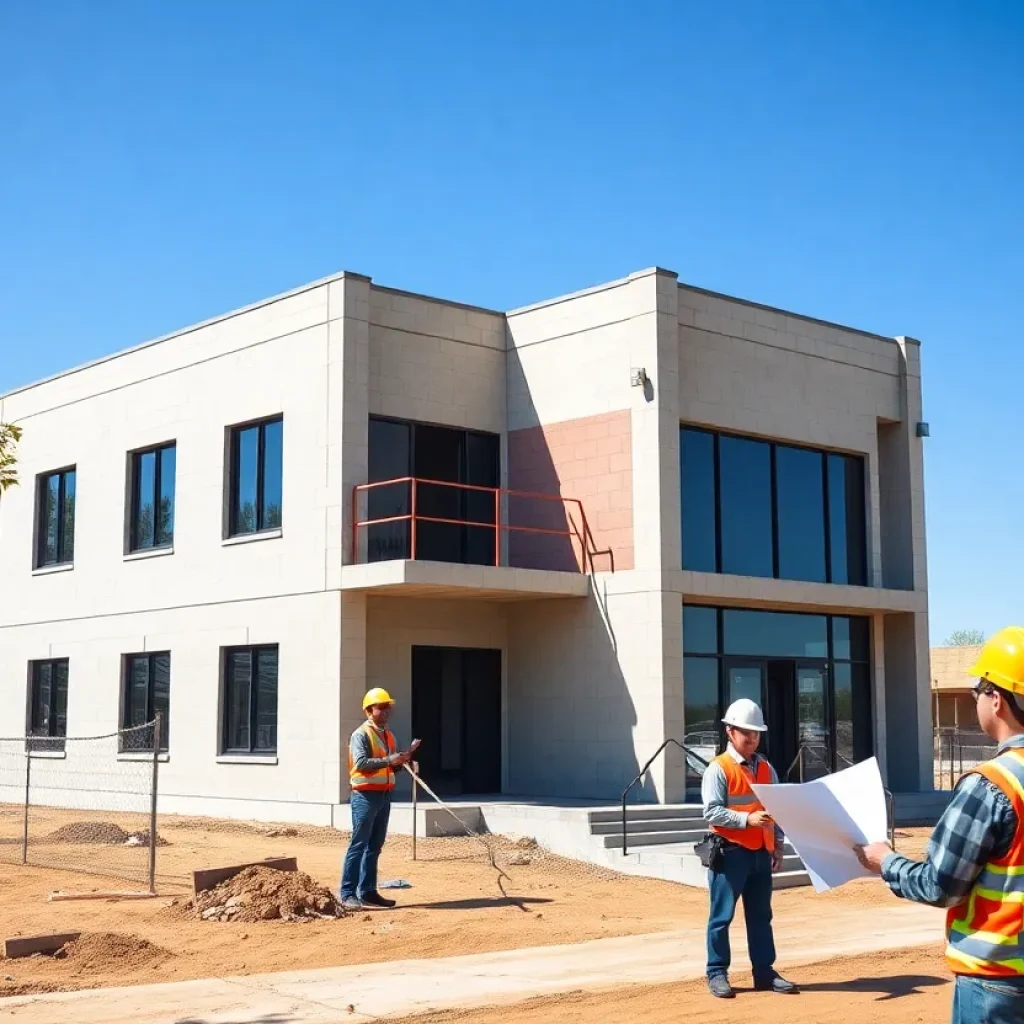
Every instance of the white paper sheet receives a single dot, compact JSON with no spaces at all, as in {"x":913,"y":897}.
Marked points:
{"x":826,"y":818}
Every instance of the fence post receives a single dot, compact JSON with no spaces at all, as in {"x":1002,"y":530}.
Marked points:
{"x":152,"y":803}
{"x":28,"y":789}
{"x":415,"y":788}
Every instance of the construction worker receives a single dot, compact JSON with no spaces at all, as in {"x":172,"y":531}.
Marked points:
{"x":373,"y":759}
{"x":747,"y":848}
{"x":974,"y":864}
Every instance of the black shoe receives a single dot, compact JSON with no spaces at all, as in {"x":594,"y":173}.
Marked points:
{"x":777,"y":984}
{"x":720,"y":988}
{"x":374,"y":899}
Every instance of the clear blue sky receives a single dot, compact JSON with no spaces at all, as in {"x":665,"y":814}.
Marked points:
{"x":858,"y":161}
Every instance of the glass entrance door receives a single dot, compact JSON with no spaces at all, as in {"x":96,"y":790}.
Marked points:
{"x":812,"y":719}
{"x":743,"y":678}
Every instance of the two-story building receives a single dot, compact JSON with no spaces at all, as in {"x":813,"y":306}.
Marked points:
{"x":558,"y":535}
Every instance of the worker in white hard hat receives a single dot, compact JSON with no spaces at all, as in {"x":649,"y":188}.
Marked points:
{"x":746,"y":849}
{"x":373,"y":759}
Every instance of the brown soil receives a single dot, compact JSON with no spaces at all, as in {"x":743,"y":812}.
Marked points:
{"x":883,"y":990}
{"x":263,"y":894}
{"x":100,"y":833}
{"x":458,"y":904}
{"x":98,"y":951}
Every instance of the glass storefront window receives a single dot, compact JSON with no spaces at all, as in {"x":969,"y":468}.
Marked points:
{"x":847,"y":520}
{"x":745,"y":482}
{"x":775,"y":634}
{"x":700,"y":630}
{"x":697,"y":471}
{"x":701,"y":708}
{"x":800,"y":511}
{"x":850,"y":639}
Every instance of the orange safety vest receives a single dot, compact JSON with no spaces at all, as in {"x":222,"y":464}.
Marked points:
{"x":985,"y":933}
{"x":380,"y":746}
{"x":741,"y":798}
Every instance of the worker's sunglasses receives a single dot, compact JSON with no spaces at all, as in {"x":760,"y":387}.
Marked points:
{"x":982,"y":690}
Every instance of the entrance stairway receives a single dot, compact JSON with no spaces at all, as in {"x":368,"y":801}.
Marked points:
{"x":660,"y":842}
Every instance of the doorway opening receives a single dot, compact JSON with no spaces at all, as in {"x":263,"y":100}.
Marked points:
{"x":794,"y":695}
{"x":456,"y":712}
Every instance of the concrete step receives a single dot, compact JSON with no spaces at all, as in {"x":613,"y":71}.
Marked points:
{"x":647,"y":812}
{"x":663,"y":838}
{"x":637,"y":825}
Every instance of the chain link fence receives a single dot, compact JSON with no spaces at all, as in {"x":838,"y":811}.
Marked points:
{"x":82,"y":804}
{"x":957,"y":751}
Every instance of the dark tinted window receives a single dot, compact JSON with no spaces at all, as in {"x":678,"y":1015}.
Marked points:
{"x":775,"y":634}
{"x":850,"y":638}
{"x":854,"y":731}
{"x":847,"y":519}
{"x":152,"y":508}
{"x":701,"y":714}
{"x":147,"y":692}
{"x":697,"y":473}
{"x":250,"y":700}
{"x":257,"y":461}
{"x":800,"y":504}
{"x":700,"y":630}
{"x":390,"y":456}
{"x":55,"y":511}
{"x":746,"y":506}
{"x":48,"y":704}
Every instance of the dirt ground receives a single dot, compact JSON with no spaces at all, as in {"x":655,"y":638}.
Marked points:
{"x":458,"y":904}
{"x":883,"y":990}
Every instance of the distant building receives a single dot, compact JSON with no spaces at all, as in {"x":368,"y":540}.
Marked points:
{"x":952,"y":703}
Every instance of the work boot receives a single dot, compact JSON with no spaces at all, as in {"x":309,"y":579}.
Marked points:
{"x":351,"y":903}
{"x":374,"y":899}
{"x":720,"y":988}
{"x":777,"y":984}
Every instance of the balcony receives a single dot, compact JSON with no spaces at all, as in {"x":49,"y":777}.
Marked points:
{"x":418,"y":536}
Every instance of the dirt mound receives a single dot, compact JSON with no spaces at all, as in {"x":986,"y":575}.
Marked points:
{"x":102,"y":833}
{"x":101,"y":951}
{"x":264,"y":894}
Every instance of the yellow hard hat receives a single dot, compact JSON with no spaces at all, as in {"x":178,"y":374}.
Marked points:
{"x":376,"y":696}
{"x":1001,"y":661}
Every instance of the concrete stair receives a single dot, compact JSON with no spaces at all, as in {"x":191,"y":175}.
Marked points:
{"x":660,"y":842}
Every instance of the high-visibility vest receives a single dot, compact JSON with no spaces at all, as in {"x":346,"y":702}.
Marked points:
{"x":741,"y":798}
{"x":985,"y":933}
{"x":380,"y":746}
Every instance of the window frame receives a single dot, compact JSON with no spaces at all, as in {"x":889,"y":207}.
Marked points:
{"x":133,"y":546}
{"x":50,"y":740}
{"x":234,"y":479}
{"x":127,"y":661}
{"x":825,"y":454}
{"x":40,"y":560}
{"x":225,"y":747}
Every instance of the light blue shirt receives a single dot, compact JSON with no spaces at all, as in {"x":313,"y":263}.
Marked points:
{"x":714,"y":792}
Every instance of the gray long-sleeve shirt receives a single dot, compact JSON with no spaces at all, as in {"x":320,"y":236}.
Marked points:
{"x":714,"y":792}
{"x":362,"y":752}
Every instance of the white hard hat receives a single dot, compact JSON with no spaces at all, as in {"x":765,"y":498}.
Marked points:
{"x":745,"y":714}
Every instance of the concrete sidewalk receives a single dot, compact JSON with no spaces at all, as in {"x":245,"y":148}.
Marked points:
{"x":401,"y":988}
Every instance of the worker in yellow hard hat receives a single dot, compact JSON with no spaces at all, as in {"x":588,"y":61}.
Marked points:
{"x":373,"y":758}
{"x":974,"y":865}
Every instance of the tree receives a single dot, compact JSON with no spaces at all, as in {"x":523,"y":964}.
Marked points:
{"x":965,"y":638}
{"x":10,"y":435}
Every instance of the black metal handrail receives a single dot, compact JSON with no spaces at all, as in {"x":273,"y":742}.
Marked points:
{"x":643,"y":771}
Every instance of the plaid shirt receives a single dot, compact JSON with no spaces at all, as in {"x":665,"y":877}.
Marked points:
{"x":978,"y":826}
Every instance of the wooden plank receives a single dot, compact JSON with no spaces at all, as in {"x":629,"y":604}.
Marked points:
{"x":30,"y":944}
{"x":210,"y":877}
{"x":63,"y":897}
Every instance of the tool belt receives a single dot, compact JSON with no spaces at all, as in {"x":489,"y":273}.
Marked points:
{"x":711,"y":851}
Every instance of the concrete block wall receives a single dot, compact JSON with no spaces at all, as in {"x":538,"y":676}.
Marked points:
{"x":301,"y":781}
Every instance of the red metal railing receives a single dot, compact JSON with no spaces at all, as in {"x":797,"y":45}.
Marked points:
{"x":577,"y":528}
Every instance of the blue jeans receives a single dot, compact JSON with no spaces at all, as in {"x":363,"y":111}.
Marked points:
{"x":747,"y":874}
{"x":988,"y":1001}
{"x":370,"y":813}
